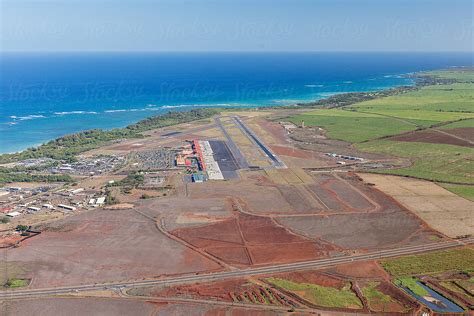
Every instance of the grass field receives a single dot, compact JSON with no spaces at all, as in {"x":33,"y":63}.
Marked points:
{"x":439,"y":102}
{"x":15,"y":283}
{"x":375,"y":297}
{"x":461,"y":75}
{"x":411,"y":284}
{"x":460,"y":124}
{"x":431,"y":263}
{"x":321,"y":295}
{"x":365,"y":123}
{"x":437,"y":162}
{"x":466,"y":191}
{"x":353,"y":126}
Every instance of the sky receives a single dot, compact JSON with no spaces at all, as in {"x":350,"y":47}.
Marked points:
{"x":236,"y":25}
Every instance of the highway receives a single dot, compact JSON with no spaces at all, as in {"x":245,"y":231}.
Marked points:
{"x":194,"y":278}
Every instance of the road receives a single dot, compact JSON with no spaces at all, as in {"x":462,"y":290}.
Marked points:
{"x":216,"y":276}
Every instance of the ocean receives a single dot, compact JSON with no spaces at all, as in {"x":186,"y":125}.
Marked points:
{"x":47,"y":95}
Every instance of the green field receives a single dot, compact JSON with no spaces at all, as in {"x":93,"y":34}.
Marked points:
{"x":321,"y":295}
{"x":368,"y":123}
{"x":437,"y":162}
{"x":15,"y":283}
{"x":439,"y":103}
{"x":466,"y":191}
{"x":460,"y":124}
{"x":460,"y":75}
{"x":431,"y":263}
{"x":354,"y":127}
{"x":411,"y":284}
{"x":374,"y":297}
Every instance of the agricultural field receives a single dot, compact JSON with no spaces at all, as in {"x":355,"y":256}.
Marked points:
{"x":436,"y":162}
{"x":435,"y":103}
{"x":431,"y":127}
{"x":449,"y":273}
{"x":459,"y":74}
{"x":320,"y":295}
{"x":376,"y":299}
{"x":431,"y":263}
{"x":353,"y":126}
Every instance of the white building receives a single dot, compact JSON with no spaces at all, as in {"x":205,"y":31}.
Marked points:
{"x":14,"y":214}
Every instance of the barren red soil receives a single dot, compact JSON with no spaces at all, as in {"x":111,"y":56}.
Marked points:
{"x":100,"y":246}
{"x":313,"y":278}
{"x":8,"y":241}
{"x":77,"y":307}
{"x":252,"y":240}
{"x":430,"y":136}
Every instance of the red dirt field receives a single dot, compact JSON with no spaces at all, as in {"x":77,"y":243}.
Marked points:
{"x":8,"y":241}
{"x":237,"y":290}
{"x":77,"y":307}
{"x":220,"y":290}
{"x":430,"y":136}
{"x":103,"y":246}
{"x":312,"y":277}
{"x":368,"y":269}
{"x":252,"y":240}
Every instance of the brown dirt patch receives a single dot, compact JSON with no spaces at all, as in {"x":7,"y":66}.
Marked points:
{"x":252,"y":240}
{"x":313,"y":277}
{"x":293,"y":152}
{"x":77,"y":307}
{"x":441,"y":209}
{"x":434,"y":137}
{"x":464,"y":132}
{"x":238,"y":290}
{"x":275,"y":129}
{"x":368,"y":269}
{"x":103,"y":246}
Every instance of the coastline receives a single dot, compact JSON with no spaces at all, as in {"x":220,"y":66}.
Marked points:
{"x":337,"y":99}
{"x":65,"y":95}
{"x":298,"y":101}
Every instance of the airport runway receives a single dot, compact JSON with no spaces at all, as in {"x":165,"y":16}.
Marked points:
{"x":307,"y":265}
{"x":238,"y":156}
{"x":276,"y":161}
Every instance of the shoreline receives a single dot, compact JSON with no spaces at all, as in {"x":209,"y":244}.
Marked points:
{"x":166,"y":109}
{"x":337,"y":99}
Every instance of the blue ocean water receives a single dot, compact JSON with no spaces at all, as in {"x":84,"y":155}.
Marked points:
{"x":43,"y":96}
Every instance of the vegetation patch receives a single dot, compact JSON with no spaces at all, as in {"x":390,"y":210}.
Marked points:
{"x":436,"y":102}
{"x":321,"y":295}
{"x":435,"y":162}
{"x":465,"y":191}
{"x":431,"y":263}
{"x":459,"y":124}
{"x":412,"y":285}
{"x":351,"y":126}
{"x":15,"y":283}
{"x":7,"y":176}
{"x":374,"y":297}
{"x":67,"y":147}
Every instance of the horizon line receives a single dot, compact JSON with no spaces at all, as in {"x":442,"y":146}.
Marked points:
{"x":234,"y":51}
